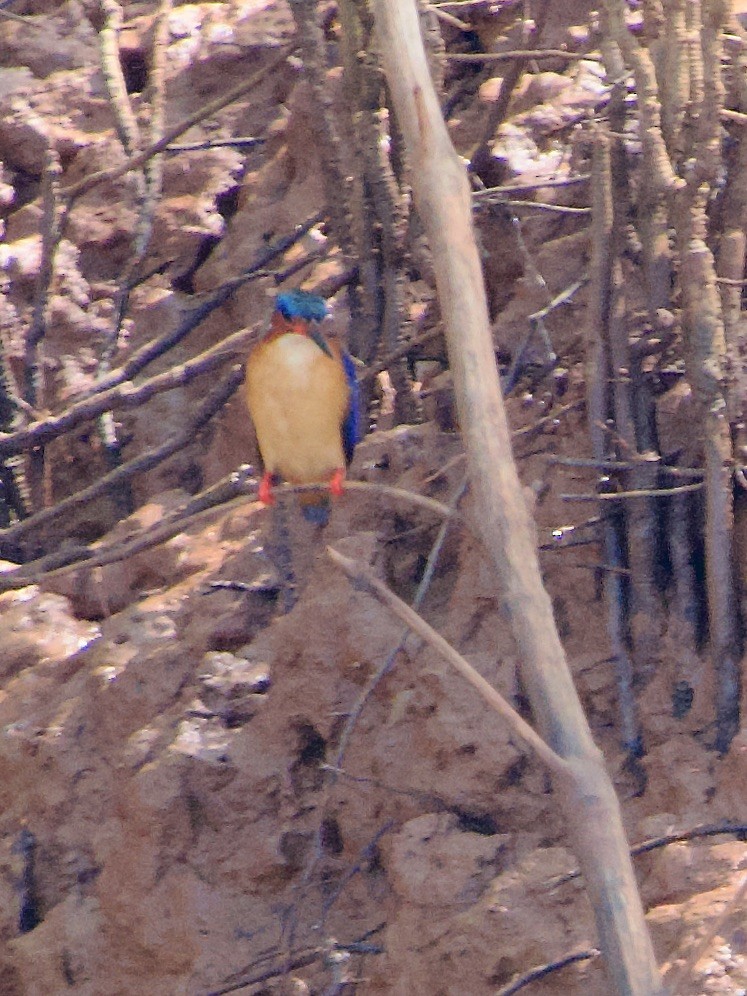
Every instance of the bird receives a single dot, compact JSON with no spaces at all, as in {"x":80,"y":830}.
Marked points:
{"x":303,"y":397}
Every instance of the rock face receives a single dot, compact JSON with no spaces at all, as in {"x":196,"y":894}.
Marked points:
{"x":182,"y":807}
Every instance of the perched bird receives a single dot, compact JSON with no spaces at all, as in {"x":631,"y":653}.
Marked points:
{"x":303,"y":398}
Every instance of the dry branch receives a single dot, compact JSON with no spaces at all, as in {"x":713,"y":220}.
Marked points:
{"x":138,"y":360}
{"x":228,"y":494}
{"x":705,"y":351}
{"x":33,"y":358}
{"x":365,"y":579}
{"x":600,"y":405}
{"x":123,"y":396}
{"x":146,"y":460}
{"x":542,"y":971}
{"x":588,"y":800}
{"x":522,"y":53}
{"x":76,"y":190}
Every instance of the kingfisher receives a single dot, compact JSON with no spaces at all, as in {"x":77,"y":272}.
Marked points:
{"x":303,"y":397}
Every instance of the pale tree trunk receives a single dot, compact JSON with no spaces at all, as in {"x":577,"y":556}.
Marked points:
{"x":587,"y":798}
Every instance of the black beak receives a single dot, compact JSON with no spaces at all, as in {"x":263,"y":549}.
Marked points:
{"x":316,"y":335}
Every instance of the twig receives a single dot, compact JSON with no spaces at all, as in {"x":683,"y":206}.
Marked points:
{"x":543,"y":206}
{"x":447,"y":18}
{"x":128,"y":131}
{"x":430,"y":504}
{"x":222,"y":497}
{"x":567,"y":536}
{"x":336,"y":177}
{"x":383,"y":670}
{"x":146,"y":460}
{"x":403,"y":349}
{"x":621,"y":465}
{"x":738,"y":116}
{"x":195,"y":316}
{"x":247,"y":142}
{"x":562,"y":297}
{"x":514,"y":188}
{"x":125,"y":396}
{"x":228,"y":494}
{"x":462,"y":4}
{"x":424,"y":798}
{"x":33,"y":361}
{"x":111,"y":68}
{"x":27,"y":22}
{"x":135,"y":162}
{"x":482,"y":155}
{"x":366,"y":854}
{"x":51,"y":235}
{"x":643,"y":493}
{"x":539,"y":425}
{"x":354,"y":714}
{"x":540,"y":971}
{"x":653,"y":843}
{"x":301,"y":960}
{"x":149,"y":190}
{"x":525,"y":430}
{"x":521,"y":53}
{"x":536,"y":320}
{"x":362,"y":576}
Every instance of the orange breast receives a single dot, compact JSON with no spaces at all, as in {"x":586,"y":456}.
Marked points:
{"x":297,"y":398}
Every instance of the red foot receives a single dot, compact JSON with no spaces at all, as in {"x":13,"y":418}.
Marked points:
{"x":265,"y":494}
{"x":336,"y":488}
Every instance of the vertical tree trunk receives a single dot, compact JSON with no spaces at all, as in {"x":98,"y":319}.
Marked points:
{"x":587,"y":799}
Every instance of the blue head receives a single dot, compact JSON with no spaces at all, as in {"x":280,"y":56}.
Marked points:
{"x":301,"y":304}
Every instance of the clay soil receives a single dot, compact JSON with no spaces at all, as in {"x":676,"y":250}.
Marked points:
{"x":169,"y":819}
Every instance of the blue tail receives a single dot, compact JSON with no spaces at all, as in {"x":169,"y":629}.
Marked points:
{"x":316,"y":509}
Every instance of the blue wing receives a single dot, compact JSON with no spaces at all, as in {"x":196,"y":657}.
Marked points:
{"x":351,"y":427}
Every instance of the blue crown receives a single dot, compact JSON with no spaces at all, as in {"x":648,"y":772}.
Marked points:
{"x":301,"y":304}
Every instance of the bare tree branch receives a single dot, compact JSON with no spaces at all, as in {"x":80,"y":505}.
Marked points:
{"x":587,"y":798}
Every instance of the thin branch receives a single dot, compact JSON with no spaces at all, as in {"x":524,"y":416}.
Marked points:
{"x":482,"y":156}
{"x":560,"y":461}
{"x":33,"y":355}
{"x":545,"y":206}
{"x":403,"y":349}
{"x":223,"y":497}
{"x":654,"y":843}
{"x":430,"y":504}
{"x":300,"y":960}
{"x":146,"y":460}
{"x":230,"y":493}
{"x":149,"y":189}
{"x":383,"y":670}
{"x":514,"y":188}
{"x":247,"y":142}
{"x":365,"y":855}
{"x":153,"y":350}
{"x":521,"y":53}
{"x":540,"y":971}
{"x":123,"y":396}
{"x":51,"y":235}
{"x":125,"y":121}
{"x":135,"y":162}
{"x":642,"y":493}
{"x":27,"y":22}
{"x":363,"y":577}
{"x":447,"y":18}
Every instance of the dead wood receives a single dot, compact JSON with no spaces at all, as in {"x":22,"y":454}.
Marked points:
{"x":587,"y":798}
